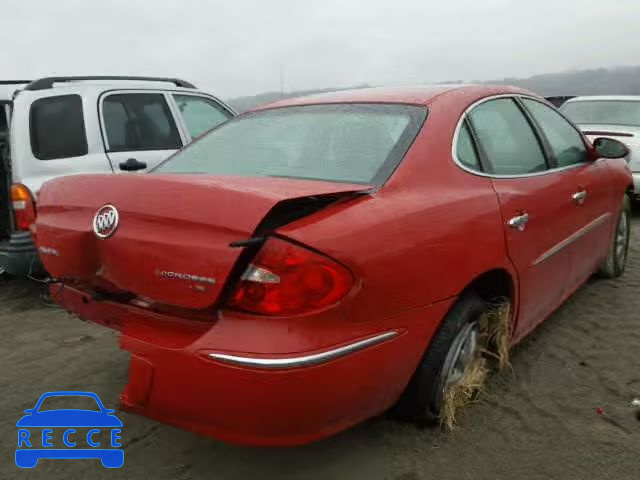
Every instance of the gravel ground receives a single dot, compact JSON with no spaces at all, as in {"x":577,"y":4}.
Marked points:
{"x":539,"y":421}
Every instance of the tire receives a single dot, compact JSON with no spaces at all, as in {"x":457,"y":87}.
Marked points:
{"x":616,"y":260}
{"x":421,"y":401}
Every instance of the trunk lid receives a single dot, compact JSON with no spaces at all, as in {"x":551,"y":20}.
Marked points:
{"x":171,"y":243}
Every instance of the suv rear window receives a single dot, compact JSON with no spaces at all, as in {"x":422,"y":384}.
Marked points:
{"x":56,"y":127}
{"x":139,"y":121}
{"x":354,"y":143}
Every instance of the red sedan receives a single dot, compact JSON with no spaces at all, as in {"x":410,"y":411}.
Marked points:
{"x":317,"y":261}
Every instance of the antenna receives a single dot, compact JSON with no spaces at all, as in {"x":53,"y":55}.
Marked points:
{"x":281,"y":80}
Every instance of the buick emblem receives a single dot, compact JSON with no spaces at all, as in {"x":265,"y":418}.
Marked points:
{"x":105,"y":221}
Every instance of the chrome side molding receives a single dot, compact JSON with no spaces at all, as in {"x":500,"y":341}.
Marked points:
{"x":571,"y":238}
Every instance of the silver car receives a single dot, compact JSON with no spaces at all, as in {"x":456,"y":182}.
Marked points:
{"x":610,"y":116}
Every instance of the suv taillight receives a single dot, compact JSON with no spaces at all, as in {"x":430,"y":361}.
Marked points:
{"x":287,"y":279}
{"x":24,"y":207}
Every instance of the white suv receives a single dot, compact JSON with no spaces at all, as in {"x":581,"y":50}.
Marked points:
{"x":68,"y":125}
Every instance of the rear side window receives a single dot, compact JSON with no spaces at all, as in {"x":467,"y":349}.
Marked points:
{"x":565,"y":141}
{"x":466,"y":150}
{"x":200,"y":114}
{"x":508,"y":140}
{"x":139,"y":121}
{"x":56,"y":127}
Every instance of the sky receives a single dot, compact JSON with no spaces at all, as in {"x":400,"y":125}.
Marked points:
{"x":239,"y":47}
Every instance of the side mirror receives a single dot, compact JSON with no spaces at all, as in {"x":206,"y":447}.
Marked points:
{"x":132,"y":165}
{"x":29,"y":410}
{"x":610,"y":148}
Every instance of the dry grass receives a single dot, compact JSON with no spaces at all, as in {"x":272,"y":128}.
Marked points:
{"x":494,"y":342}
{"x":495,"y":325}
{"x":464,"y":392}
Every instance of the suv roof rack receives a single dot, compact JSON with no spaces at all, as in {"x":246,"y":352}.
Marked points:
{"x":13,"y":82}
{"x":47,"y":82}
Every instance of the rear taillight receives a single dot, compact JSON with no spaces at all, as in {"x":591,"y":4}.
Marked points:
{"x":286,"y":279}
{"x":24,"y":206}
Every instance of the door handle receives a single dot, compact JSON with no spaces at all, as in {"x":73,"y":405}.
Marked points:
{"x":132,"y":165}
{"x":579,"y":197}
{"x":519,"y":222}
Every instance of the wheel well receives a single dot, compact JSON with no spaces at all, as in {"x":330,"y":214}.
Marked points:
{"x":497,"y":289}
{"x":493,"y":285}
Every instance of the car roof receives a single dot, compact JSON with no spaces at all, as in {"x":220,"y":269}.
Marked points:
{"x":626,"y":98}
{"x":413,"y":95}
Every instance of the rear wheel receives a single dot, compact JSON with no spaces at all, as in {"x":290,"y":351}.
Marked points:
{"x":452,"y":350}
{"x":616,"y":260}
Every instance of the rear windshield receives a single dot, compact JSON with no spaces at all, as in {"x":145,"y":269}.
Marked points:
{"x":354,"y":143}
{"x":609,"y":112}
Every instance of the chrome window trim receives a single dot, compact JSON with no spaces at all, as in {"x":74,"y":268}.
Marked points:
{"x":571,"y":238}
{"x":306,"y":360}
{"x":515,"y":96}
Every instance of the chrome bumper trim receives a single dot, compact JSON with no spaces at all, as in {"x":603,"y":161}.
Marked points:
{"x":304,"y":361}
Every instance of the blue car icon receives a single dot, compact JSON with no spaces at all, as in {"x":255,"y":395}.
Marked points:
{"x":31,"y":448}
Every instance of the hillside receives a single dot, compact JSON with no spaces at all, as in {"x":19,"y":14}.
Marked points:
{"x":620,"y":80}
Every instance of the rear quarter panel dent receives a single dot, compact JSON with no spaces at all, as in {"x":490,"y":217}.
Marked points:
{"x":411,"y":249}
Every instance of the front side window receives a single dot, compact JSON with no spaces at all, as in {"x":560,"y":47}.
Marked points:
{"x":355,"y":143}
{"x":507,"y":139}
{"x":607,"y":112}
{"x":200,"y":114}
{"x":139,"y":121}
{"x":57,"y":127}
{"x":566,"y":143}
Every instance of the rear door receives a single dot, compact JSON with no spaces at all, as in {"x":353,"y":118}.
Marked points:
{"x":138,"y":125}
{"x":532,"y":201}
{"x":591,"y":193}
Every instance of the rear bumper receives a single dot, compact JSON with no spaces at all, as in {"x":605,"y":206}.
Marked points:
{"x":18,"y":256}
{"x":192,"y":375}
